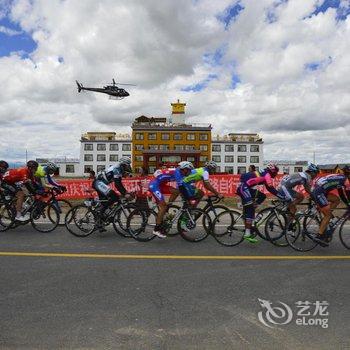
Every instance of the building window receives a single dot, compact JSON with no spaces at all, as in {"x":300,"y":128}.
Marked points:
{"x":113,"y":158}
{"x":242,"y":148}
{"x":164,"y":147}
{"x":101,"y":157}
{"x":100,"y":168}
{"x":189,"y":147}
{"x":241,"y":159}
{"x":151,"y":169}
{"x":165,"y":136}
{"x":203,"y":147}
{"x":138,"y":147}
{"x":254,"y":159}
{"x":216,"y":159}
{"x":203,"y":137}
{"x":88,"y":147}
{"x":88,"y":168}
{"x":216,"y":148}
{"x":229,"y":159}
{"x":138,"y":158}
{"x":178,"y":147}
{"x":126,"y":147}
{"x":153,"y":147}
{"x":113,"y":147}
{"x":177,"y":136}
{"x":254,"y":148}
{"x":229,"y":148}
{"x":229,"y":169}
{"x":191,"y":137}
{"x":241,"y":170}
{"x":190,"y":159}
{"x":69,"y":168}
{"x":152,"y":136}
{"x":285,"y":170}
{"x":88,"y":158}
{"x":138,"y":136}
{"x":203,"y":158}
{"x":152,"y":159}
{"x":101,"y":146}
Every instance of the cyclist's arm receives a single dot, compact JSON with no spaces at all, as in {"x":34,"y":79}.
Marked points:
{"x":119,"y":185}
{"x":343,"y":196}
{"x":51,"y":181}
{"x":210,"y":188}
{"x":307,"y":188}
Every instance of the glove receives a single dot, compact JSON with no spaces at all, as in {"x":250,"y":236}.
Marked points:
{"x":63,"y":188}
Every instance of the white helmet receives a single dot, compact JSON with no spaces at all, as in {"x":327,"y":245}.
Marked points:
{"x":51,"y":166}
{"x":211,"y":165}
{"x":186,"y":165}
{"x":125,"y":160}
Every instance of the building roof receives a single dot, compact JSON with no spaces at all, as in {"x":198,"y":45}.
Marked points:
{"x":170,"y":151}
{"x":332,"y":166}
{"x":172,"y":127}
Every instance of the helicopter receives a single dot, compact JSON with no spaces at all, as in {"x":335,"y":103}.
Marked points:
{"x":113,"y":90}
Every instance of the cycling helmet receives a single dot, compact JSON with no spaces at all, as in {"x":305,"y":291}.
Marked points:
{"x":125,"y":160}
{"x":3,"y":164}
{"x":211,"y":165}
{"x":313,"y":168}
{"x":32,"y":164}
{"x":272,"y":168}
{"x":51,"y":166}
{"x":186,"y":165}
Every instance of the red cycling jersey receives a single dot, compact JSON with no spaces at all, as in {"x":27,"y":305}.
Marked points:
{"x":16,"y":175}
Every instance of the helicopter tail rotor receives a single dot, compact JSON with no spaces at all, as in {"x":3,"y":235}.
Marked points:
{"x":79,"y":86}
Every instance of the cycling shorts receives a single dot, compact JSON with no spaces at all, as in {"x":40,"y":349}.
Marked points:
{"x":158,"y":189}
{"x":287,"y":193}
{"x":320,"y":197}
{"x":101,"y":187}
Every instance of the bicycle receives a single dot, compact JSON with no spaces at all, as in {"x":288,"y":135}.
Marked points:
{"x":141,"y":223}
{"x":88,"y":217}
{"x":302,"y":238}
{"x":229,"y":227}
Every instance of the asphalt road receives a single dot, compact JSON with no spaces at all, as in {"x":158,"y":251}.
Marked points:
{"x":166,"y":294}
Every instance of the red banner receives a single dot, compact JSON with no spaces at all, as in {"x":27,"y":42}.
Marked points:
{"x":224,"y":184}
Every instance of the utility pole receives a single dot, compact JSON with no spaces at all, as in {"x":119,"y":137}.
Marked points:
{"x":26,"y":156}
{"x":314,"y":157}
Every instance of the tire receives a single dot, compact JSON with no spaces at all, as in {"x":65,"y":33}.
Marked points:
{"x":213,"y":213}
{"x":300,"y":239}
{"x":7,"y":216}
{"x":344,"y":233}
{"x":120,"y":220}
{"x":193,"y":218}
{"x":275,"y":228}
{"x":44,"y":217}
{"x":228,"y":228}
{"x":260,"y":228}
{"x":140,"y":224}
{"x":80,"y":221}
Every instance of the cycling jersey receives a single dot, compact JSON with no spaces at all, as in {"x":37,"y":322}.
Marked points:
{"x":42,"y":173}
{"x":254,"y":178}
{"x":17,"y":175}
{"x":290,"y":181}
{"x":158,"y":186}
{"x":112,"y":174}
{"x":199,"y":174}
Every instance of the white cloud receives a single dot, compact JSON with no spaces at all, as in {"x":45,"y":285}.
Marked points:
{"x":159,"y":45}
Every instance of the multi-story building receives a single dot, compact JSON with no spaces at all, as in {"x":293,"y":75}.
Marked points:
{"x":157,"y":142}
{"x":98,"y":150}
{"x":236,"y":151}
{"x":289,"y":166}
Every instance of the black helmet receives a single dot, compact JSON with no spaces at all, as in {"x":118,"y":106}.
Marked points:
{"x":4,"y":164}
{"x":346,"y":169}
{"x":32,"y":164}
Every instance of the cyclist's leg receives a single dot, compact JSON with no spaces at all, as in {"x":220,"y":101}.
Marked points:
{"x":154,"y":188}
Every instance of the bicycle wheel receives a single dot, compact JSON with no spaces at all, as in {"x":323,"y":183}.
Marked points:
{"x":260,"y":222}
{"x":228,"y":228}
{"x":300,"y":238}
{"x":80,"y":221}
{"x":140,"y":224}
{"x":275,"y":228}
{"x":44,"y":217}
{"x":190,"y":224}
{"x":344,"y":233}
{"x":120,"y":220}
{"x":213,"y":213}
{"x":7,"y":216}
{"x":63,"y":206}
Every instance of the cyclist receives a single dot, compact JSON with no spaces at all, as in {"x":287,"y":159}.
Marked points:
{"x":199,"y":174}
{"x":19,"y":178}
{"x":3,"y":168}
{"x":113,"y":174}
{"x":159,"y":185}
{"x":328,"y":201}
{"x":43,"y":175}
{"x":289,"y":182}
{"x":251,"y":197}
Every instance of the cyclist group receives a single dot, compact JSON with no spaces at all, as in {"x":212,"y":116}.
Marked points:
{"x":36,"y":179}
